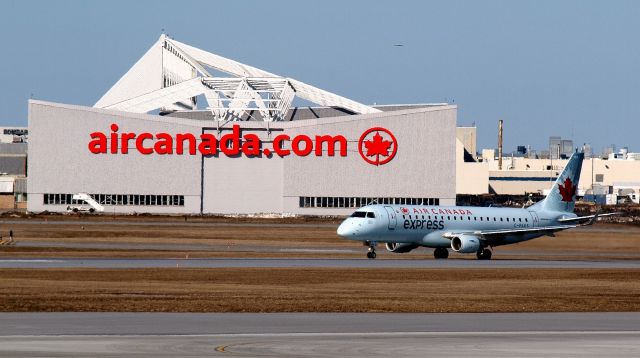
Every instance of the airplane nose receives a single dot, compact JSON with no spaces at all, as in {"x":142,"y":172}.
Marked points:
{"x":345,"y":229}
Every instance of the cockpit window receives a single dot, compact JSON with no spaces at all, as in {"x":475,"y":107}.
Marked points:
{"x":371,"y":215}
{"x":359,"y":214}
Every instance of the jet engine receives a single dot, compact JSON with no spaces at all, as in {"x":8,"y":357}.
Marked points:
{"x":465,"y":244}
{"x":399,"y":248}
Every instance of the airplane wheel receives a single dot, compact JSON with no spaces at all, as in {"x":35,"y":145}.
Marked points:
{"x":484,"y":254}
{"x":371,"y":255}
{"x":92,"y":210}
{"x":441,"y":253}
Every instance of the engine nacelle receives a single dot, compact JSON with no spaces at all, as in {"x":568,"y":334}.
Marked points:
{"x":399,"y":248}
{"x":465,"y":244}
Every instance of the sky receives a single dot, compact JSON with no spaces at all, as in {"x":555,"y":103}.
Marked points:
{"x":567,"y":68}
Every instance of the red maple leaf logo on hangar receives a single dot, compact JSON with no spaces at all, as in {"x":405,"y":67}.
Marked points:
{"x":377,"y":145}
{"x":568,"y":190}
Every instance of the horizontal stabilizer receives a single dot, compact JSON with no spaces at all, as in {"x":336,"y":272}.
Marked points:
{"x":591,"y":218}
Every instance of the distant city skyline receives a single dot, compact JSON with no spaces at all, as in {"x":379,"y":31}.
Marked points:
{"x":566,"y":68}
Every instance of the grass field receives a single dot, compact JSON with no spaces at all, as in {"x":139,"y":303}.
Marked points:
{"x":302,"y":289}
{"x":320,"y":290}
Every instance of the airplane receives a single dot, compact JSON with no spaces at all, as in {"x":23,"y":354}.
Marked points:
{"x":467,"y":229}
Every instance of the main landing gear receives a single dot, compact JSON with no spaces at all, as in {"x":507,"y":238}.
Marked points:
{"x":441,"y":253}
{"x":483,"y":254}
{"x":371,"y":254}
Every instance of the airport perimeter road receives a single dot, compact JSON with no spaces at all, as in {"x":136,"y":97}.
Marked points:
{"x":310,"y":263}
{"x":319,"y":335}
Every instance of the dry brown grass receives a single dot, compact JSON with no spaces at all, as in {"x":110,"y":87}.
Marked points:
{"x":602,"y":241}
{"x":320,"y":290}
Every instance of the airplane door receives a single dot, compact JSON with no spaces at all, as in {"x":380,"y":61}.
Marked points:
{"x":534,"y":218}
{"x":392,"y":217}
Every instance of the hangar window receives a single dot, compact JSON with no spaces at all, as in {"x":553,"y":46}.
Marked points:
{"x":304,"y":201}
{"x":116,"y":199}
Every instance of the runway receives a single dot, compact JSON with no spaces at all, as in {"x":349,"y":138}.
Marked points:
{"x":319,"y":335}
{"x":311,"y":263}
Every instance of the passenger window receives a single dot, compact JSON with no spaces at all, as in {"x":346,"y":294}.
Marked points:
{"x":469,"y":218}
{"x":481,"y":218}
{"x":494,"y":219}
{"x":448,"y":217}
{"x":475,"y":218}
{"x":487,"y":218}
{"x":526,"y":220}
{"x":371,"y":215}
{"x":454,"y":218}
{"x":507,"y":219}
{"x":520,"y":219}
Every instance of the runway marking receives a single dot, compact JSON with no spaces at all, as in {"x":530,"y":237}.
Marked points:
{"x":334,"y":334}
{"x":30,"y":260}
{"x":317,"y":250}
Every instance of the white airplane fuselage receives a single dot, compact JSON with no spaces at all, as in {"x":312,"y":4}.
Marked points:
{"x":467,"y":229}
{"x":428,"y":225}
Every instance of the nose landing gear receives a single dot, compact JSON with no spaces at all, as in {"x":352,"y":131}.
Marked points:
{"x":371,"y":254}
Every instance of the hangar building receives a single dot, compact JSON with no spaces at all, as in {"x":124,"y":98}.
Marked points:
{"x":185,"y":131}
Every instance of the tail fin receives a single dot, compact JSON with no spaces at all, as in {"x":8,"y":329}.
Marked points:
{"x":562,"y":196}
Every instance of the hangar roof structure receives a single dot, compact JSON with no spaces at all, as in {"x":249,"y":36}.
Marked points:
{"x":171,"y":75}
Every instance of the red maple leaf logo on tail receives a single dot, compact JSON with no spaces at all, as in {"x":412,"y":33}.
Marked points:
{"x":568,"y":190}
{"x":377,"y":146}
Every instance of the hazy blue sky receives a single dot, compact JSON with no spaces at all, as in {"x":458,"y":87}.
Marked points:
{"x":569,"y":68}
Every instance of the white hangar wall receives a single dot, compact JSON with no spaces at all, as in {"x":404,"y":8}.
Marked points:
{"x":60,"y":163}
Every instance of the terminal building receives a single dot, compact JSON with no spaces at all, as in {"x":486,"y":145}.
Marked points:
{"x":186,"y":131}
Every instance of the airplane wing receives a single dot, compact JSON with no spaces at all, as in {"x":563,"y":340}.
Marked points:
{"x":489,"y":235}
